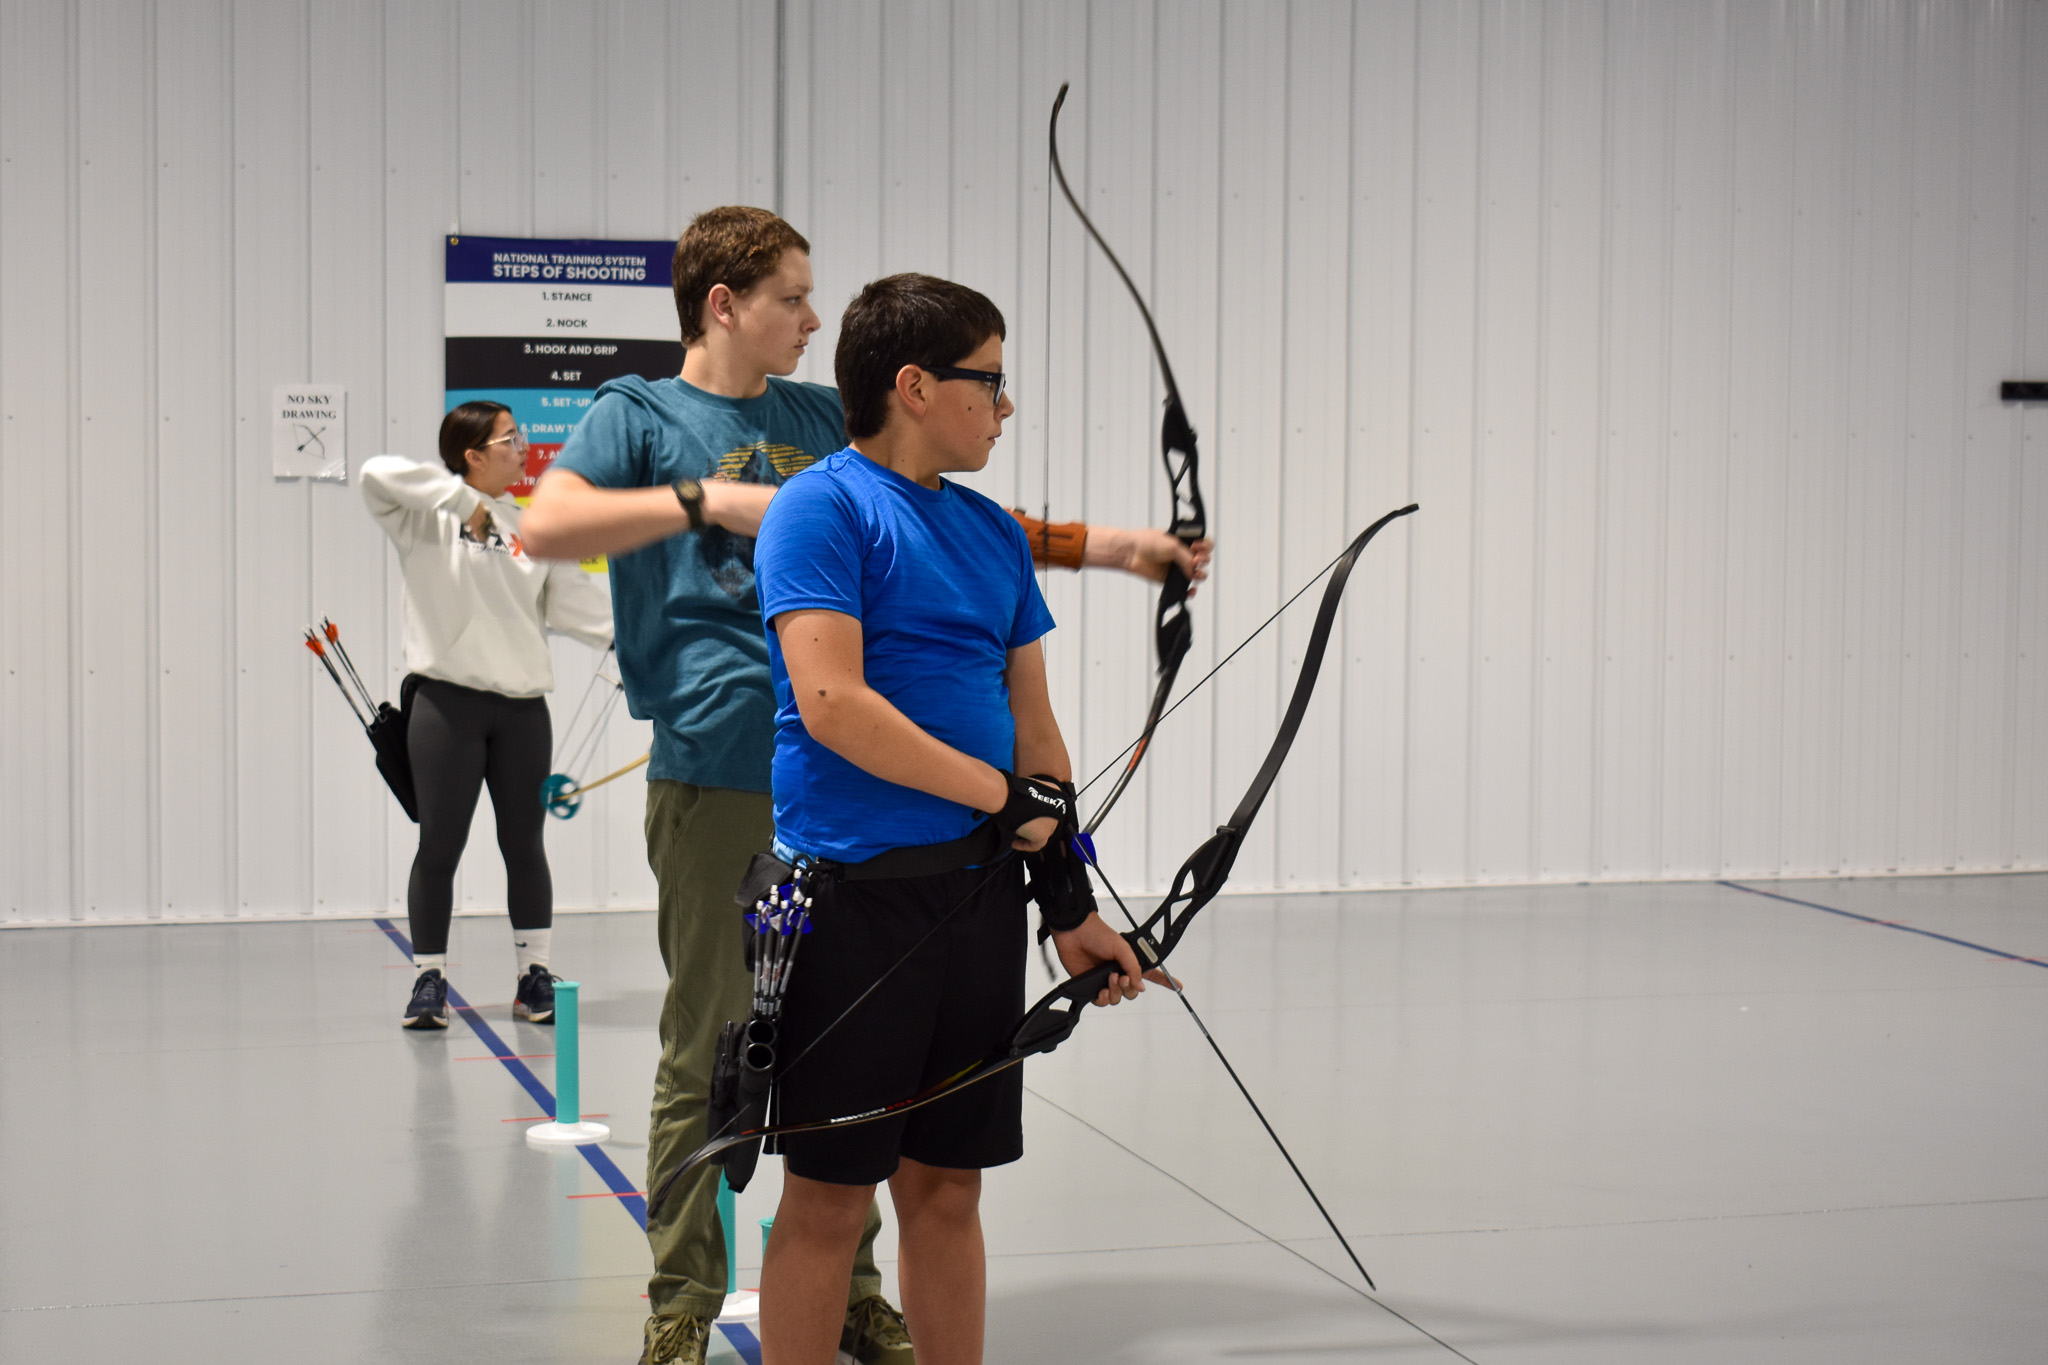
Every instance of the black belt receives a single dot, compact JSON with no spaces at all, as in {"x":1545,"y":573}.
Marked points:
{"x":983,"y":844}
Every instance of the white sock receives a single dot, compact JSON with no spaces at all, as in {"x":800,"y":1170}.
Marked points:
{"x":438,"y":961}
{"x":533,"y":947}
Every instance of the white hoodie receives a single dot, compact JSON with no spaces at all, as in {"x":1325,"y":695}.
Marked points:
{"x":477,"y":612}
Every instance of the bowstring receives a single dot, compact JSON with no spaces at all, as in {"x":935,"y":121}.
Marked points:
{"x":1045,"y":460}
{"x":1180,"y":994}
{"x":1112,"y":765}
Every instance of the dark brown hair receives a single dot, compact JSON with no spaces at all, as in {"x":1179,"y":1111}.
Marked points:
{"x":466,"y":428}
{"x":904,"y":320}
{"x":735,"y":246}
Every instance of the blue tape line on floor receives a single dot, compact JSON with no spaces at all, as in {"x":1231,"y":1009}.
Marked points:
{"x":1888,"y":924}
{"x":742,"y":1341}
{"x":600,"y":1160}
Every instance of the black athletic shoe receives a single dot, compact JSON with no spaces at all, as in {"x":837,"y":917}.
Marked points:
{"x":533,"y":999}
{"x":429,"y":1007}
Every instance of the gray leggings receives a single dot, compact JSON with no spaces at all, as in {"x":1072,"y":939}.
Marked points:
{"x":461,"y":739}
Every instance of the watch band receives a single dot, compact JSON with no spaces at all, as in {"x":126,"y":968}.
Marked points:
{"x":690,"y":494}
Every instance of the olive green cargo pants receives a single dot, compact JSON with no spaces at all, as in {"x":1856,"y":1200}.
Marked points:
{"x":699,"y":840}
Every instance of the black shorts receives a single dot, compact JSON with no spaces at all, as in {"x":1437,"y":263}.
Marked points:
{"x":952,"y":1003}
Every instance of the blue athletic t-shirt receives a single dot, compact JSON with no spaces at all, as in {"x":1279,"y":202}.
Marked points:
{"x":941,"y":582}
{"x":687,"y":621}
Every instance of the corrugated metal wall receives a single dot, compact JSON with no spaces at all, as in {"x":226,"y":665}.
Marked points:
{"x":1683,"y":321}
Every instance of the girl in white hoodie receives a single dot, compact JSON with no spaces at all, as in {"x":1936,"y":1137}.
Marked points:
{"x":477,"y":613}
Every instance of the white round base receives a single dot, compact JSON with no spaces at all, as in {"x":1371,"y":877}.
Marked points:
{"x":742,"y":1305}
{"x":566,"y":1134}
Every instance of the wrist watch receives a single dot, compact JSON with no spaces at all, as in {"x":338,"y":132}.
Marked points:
{"x":690,"y":494}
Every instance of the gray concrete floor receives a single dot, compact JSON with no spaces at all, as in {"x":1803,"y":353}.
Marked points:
{"x":1679,"y":1123}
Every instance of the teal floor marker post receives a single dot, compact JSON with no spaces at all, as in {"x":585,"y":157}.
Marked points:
{"x":569,"y":1128}
{"x":568,"y":1066}
{"x":728,"y":1218}
{"x":741,"y":1305}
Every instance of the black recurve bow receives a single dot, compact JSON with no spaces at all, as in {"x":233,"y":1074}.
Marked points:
{"x":1053,"y":1019}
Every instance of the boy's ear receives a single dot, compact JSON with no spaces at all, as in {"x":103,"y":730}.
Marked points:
{"x":913,"y":389}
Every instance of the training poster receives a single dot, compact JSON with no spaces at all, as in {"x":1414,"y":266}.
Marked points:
{"x":537,"y":324}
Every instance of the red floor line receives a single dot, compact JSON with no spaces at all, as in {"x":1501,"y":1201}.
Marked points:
{"x":543,"y":1118}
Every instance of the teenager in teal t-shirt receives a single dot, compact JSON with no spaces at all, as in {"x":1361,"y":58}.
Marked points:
{"x":692,"y":655}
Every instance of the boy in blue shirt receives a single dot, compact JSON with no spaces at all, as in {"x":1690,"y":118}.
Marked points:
{"x":904,"y":626}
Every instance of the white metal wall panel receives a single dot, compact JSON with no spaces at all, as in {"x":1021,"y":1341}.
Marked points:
{"x":38,"y":474}
{"x":1696,"y":467}
{"x":496,"y":84}
{"x":274,"y":687}
{"x":1110,"y":134}
{"x":1508,"y":272}
{"x":1186,"y":251}
{"x":345,"y":297}
{"x":1938,"y":273}
{"x":1378,"y":376}
{"x":1682,"y":321}
{"x":1880,"y":255}
{"x":1051,"y":420}
{"x":117,"y":479}
{"x":1306,"y":808}
{"x":1445,"y":344}
{"x":421,"y":188}
{"x":567,"y":109}
{"x":1568,"y":364}
{"x":1987,"y":584}
{"x":1761,"y":272}
{"x":194,"y":569}
{"x":635,"y":155}
{"x":842,"y":164}
{"x":1817,"y":447}
{"x":2030,"y":674}
{"x":1634,"y":447}
{"x":1244,"y":515}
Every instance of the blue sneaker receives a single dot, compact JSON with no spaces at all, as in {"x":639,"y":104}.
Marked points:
{"x":429,"y":1005}
{"x":533,"y":999}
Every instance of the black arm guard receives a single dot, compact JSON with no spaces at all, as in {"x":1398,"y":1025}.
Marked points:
{"x":1057,"y":878}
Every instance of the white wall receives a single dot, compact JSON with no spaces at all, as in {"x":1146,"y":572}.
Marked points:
{"x":1683,"y":321}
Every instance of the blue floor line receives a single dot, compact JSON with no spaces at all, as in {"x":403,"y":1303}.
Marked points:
{"x":599,"y":1159}
{"x":1888,"y":924}
{"x":742,"y":1341}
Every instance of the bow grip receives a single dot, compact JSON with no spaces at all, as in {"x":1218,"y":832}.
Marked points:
{"x":1052,"y":1020}
{"x":1174,"y":629}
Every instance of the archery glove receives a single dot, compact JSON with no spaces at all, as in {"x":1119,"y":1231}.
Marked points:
{"x":1034,"y":798}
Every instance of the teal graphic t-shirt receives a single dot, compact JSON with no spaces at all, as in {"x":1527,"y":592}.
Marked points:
{"x":684,"y":610}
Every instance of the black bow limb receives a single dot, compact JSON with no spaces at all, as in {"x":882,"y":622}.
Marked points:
{"x":1173,"y":626}
{"x":1202,"y":876}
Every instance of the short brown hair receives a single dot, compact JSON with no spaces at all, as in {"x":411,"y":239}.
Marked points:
{"x":466,"y":428}
{"x":904,"y":320}
{"x":735,"y":246}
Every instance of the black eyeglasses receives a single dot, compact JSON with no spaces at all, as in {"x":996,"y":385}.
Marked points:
{"x":992,"y":378}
